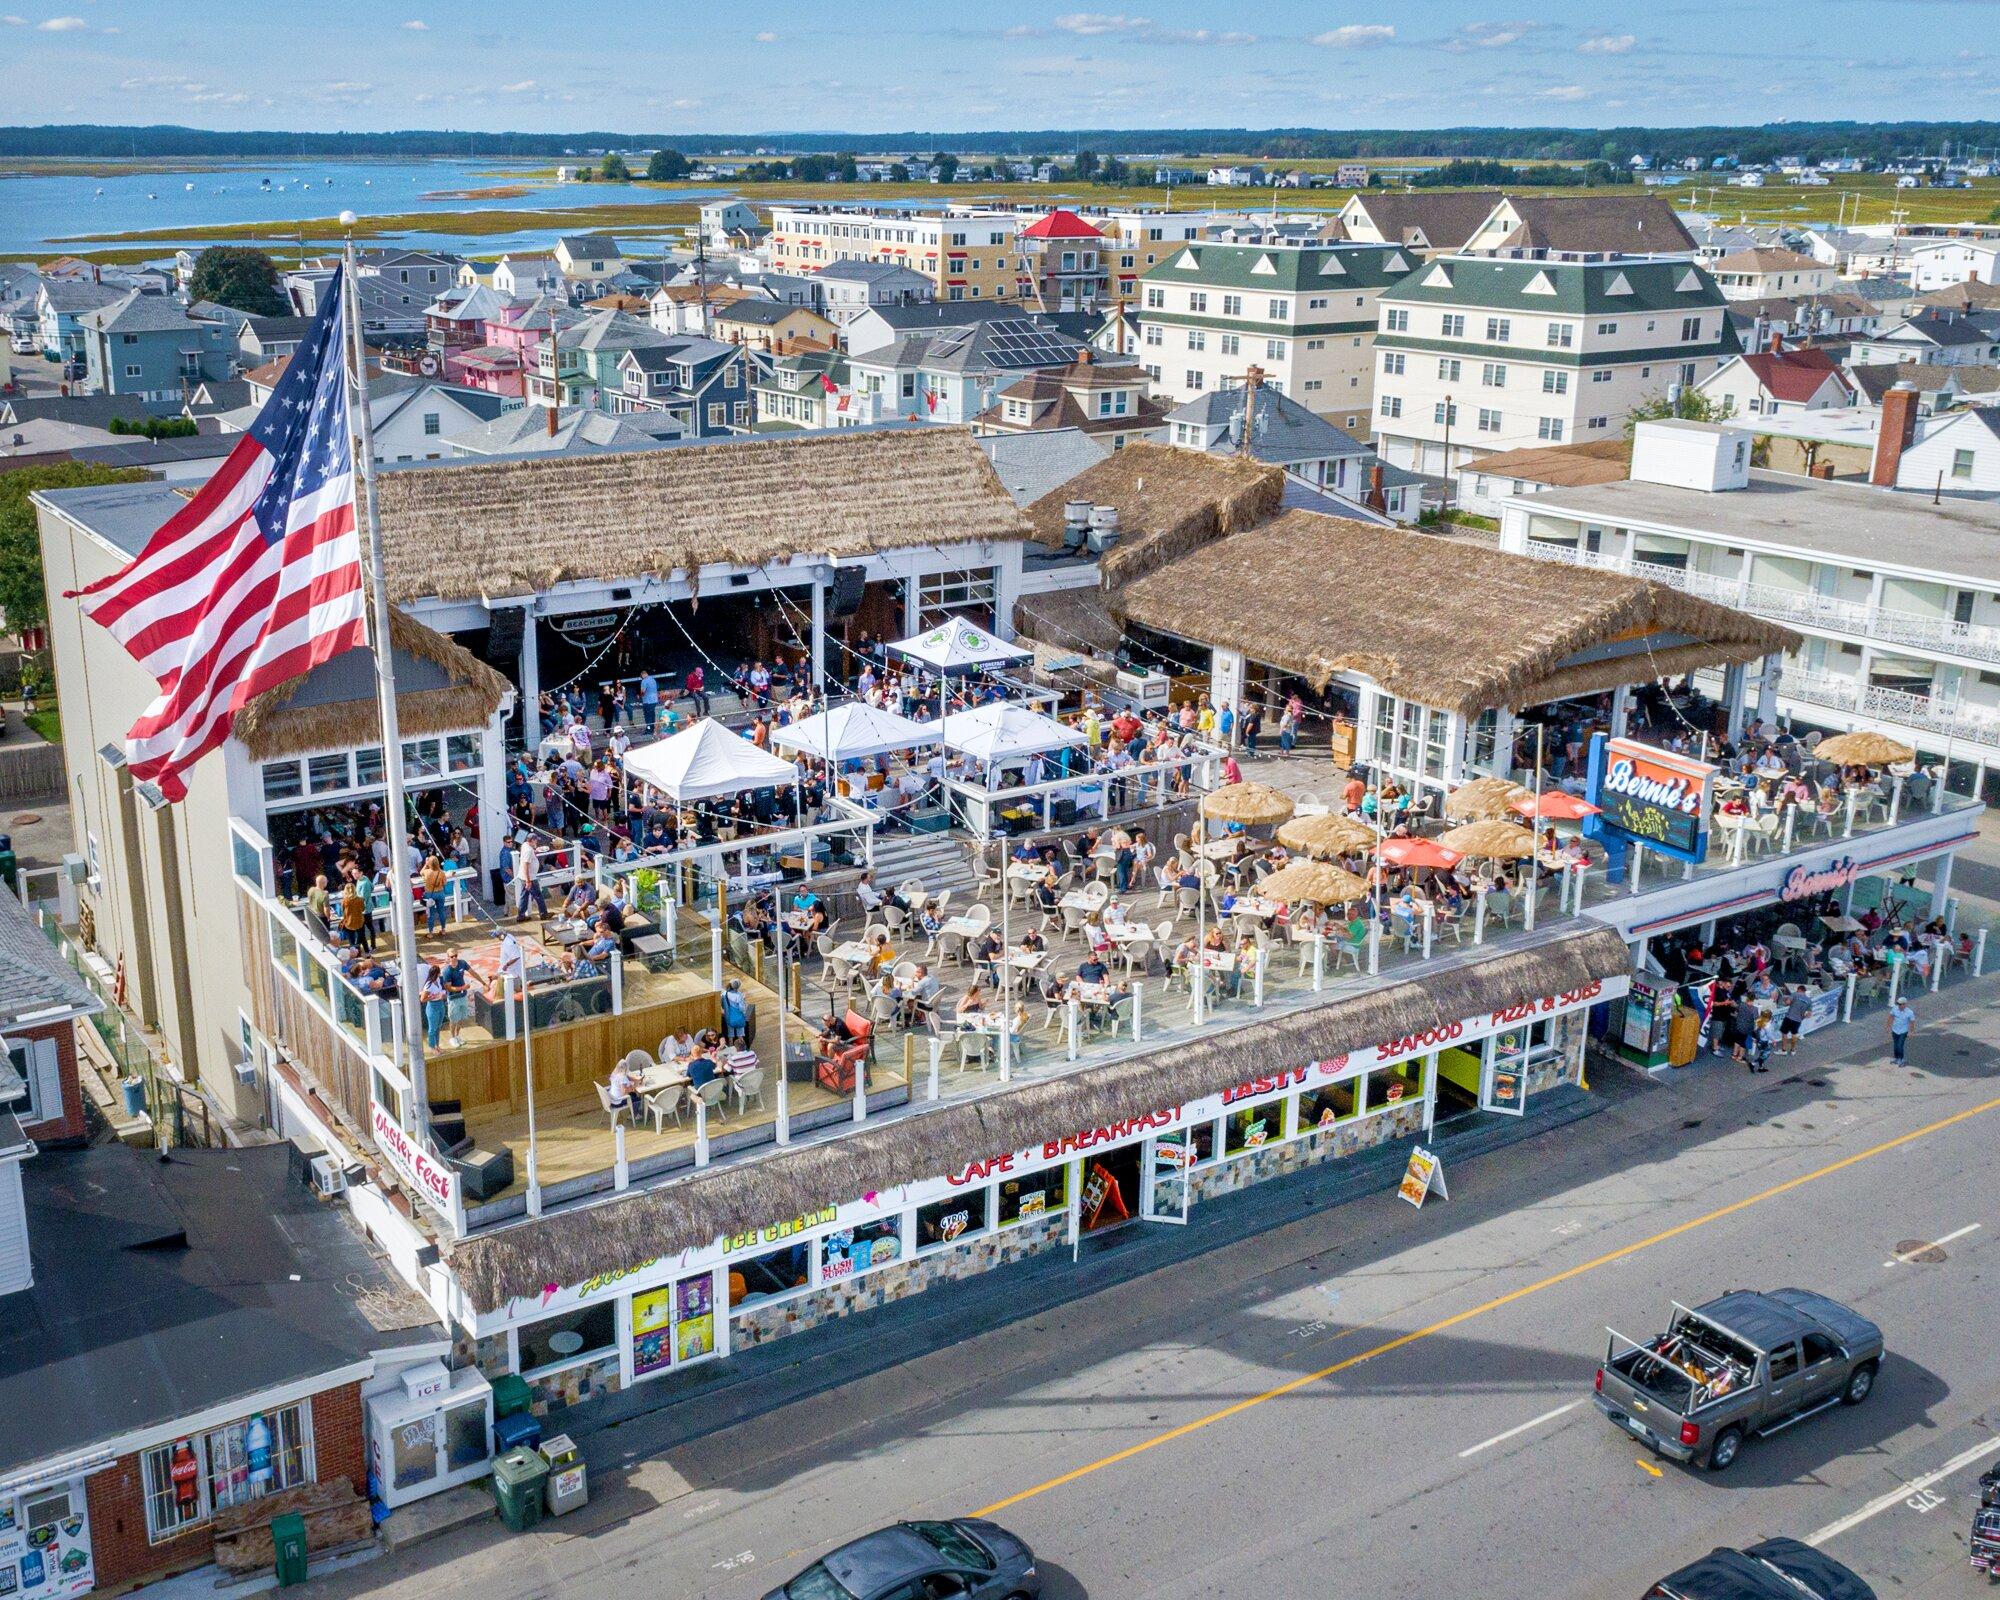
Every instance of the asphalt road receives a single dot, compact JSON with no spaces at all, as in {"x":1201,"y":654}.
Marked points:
{"x":1376,"y":1401}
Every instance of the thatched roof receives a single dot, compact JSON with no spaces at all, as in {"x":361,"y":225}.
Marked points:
{"x":695,"y":1211}
{"x":333,"y":706}
{"x":517,"y":527}
{"x":1323,"y":837}
{"x":1169,"y":502}
{"x":1069,"y":621}
{"x":1460,"y":627}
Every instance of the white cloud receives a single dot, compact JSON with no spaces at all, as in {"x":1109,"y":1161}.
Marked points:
{"x":1607,"y":44}
{"x":416,"y":25}
{"x":1089,"y":24}
{"x":525,"y":86}
{"x":15,"y":22}
{"x":1492,"y":35}
{"x":767,"y":37}
{"x":1207,"y":36}
{"x":63,"y":25}
{"x":1562,"y":91}
{"x":1022,"y":30}
{"x":1355,"y":36}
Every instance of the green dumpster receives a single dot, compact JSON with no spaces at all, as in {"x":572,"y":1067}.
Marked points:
{"x":288,"y":1543}
{"x":510,"y":1394}
{"x":519,"y":1479}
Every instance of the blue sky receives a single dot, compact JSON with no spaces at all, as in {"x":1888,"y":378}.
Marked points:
{"x":948,"y":65}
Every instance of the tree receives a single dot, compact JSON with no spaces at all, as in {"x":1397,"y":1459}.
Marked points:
{"x":23,"y":600}
{"x":846,"y":168}
{"x":1687,"y":403}
{"x":236,"y":275}
{"x":946,"y":165}
{"x":1086,"y":164}
{"x":614,"y":169}
{"x":898,"y":173}
{"x":664,"y":166}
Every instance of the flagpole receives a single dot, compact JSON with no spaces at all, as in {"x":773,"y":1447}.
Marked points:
{"x":402,"y":902}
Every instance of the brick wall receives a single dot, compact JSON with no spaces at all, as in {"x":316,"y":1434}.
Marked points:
{"x":69,"y":1126}
{"x":117,"y":1497}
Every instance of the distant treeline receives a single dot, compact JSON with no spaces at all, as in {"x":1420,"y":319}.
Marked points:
{"x":1501,"y":175}
{"x":1872,"y":141}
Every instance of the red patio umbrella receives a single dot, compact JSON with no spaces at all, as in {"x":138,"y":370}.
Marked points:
{"x":1419,"y":853}
{"x":1556,"y":804}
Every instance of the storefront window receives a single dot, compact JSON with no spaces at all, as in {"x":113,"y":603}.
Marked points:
{"x":587,"y":1331}
{"x":948,"y":1221}
{"x":1252,"y":1126}
{"x":281,"y":780}
{"x":420,"y":758}
{"x":848,"y":1252}
{"x":1202,"y":1136}
{"x":1322,"y":1108}
{"x":767,"y":1277}
{"x":462,"y":752}
{"x":189,"y":1480}
{"x":327,"y":773}
{"x":1035,"y":1195}
{"x":1389,"y":1086}
{"x":368,"y":767}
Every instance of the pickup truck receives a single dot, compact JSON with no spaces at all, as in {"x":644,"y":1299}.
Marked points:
{"x":1748,"y":1362}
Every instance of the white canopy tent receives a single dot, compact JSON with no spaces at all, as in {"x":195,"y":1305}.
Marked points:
{"x":959,"y":646}
{"x":706,"y":760}
{"x":1000,"y":730}
{"x":854,"y":731}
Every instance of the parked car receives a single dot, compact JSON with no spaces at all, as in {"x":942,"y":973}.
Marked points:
{"x":1745,"y":1363}
{"x":963,"y":1559}
{"x":1777,"y":1569}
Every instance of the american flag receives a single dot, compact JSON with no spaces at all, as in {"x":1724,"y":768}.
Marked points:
{"x":256,"y":580}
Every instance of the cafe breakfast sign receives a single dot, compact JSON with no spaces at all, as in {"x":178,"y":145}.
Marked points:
{"x":1652,"y":796}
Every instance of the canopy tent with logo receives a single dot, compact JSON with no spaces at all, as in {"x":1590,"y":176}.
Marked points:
{"x":853,"y":732}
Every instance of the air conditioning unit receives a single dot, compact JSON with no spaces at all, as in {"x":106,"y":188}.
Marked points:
{"x":75,"y":868}
{"x":329,"y":1175}
{"x":246,"y":1072}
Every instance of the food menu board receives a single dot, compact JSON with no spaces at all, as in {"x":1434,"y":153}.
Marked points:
{"x":45,"y":1544}
{"x":672,"y":1324}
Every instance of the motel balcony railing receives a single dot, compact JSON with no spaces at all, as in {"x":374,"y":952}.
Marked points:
{"x":1940,"y":717}
{"x":1796,"y":607}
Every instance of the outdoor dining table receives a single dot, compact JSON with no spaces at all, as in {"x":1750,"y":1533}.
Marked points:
{"x":1126,"y":932}
{"x":1078,"y":900}
{"x":1028,"y":871}
{"x":1219,"y":849}
{"x":1027,"y":960}
{"x":965,"y":927}
{"x":850,"y":950}
{"x":1219,"y":960}
{"x":1254,"y":905}
{"x":1841,"y":924}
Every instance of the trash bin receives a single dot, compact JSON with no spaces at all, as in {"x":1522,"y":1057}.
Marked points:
{"x":518,"y":1431}
{"x":288,"y":1544}
{"x":134,"y":1090}
{"x":9,"y":866}
{"x":518,"y":1480}
{"x":567,"y":1488}
{"x":511,"y":1394}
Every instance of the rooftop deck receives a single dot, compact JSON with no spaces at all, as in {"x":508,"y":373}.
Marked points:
{"x":1148,"y":1006}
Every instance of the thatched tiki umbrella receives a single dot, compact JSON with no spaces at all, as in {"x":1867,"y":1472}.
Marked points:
{"x":1250,"y":805}
{"x":1483,"y":798}
{"x":1865,"y":748}
{"x":1490,"y":840}
{"x":1324,"y":837}
{"x":1314,"y":882}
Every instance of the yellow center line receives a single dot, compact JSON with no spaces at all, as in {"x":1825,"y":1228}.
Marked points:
{"x":1444,"y":1325}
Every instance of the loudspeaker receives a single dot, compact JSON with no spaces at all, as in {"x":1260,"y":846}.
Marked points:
{"x":505,"y":633}
{"x":849,"y":585}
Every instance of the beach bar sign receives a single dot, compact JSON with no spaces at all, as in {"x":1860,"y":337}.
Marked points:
{"x":1660,"y":799}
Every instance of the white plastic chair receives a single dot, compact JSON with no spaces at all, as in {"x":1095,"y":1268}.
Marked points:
{"x":748,"y":1086}
{"x":664,"y":1103}
{"x":710,"y":1094}
{"x":610,"y":1110}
